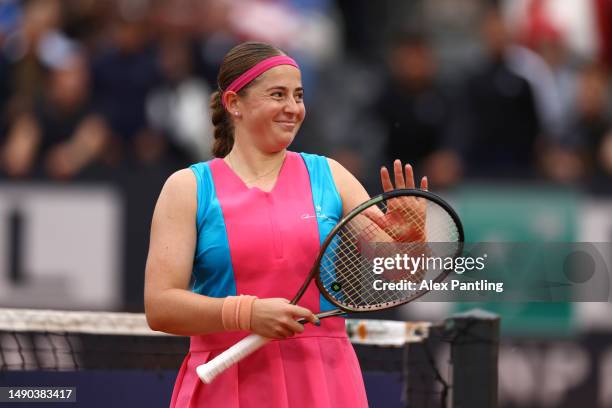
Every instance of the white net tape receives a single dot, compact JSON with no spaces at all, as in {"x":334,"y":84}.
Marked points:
{"x":55,"y":321}
{"x":360,"y":331}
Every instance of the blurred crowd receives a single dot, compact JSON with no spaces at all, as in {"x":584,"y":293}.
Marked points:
{"x":462,"y":89}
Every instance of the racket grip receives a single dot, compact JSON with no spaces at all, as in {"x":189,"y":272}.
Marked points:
{"x":208,"y":371}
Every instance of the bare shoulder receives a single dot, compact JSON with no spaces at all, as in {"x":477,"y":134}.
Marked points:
{"x":181,"y":181}
{"x":339,"y":172}
{"x":351,"y":191}
{"x":179,"y":192}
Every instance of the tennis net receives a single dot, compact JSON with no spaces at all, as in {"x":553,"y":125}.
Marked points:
{"x":415,"y":364}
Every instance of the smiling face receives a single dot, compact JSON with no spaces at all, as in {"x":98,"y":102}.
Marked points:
{"x":272,"y":109}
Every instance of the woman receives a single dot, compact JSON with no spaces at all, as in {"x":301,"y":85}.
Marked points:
{"x":248,"y":226}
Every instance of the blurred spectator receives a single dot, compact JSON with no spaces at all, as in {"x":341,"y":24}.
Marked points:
{"x":10,"y":16}
{"x":368,"y":25}
{"x":542,"y":29}
{"x":593,"y":127}
{"x":416,"y":112}
{"x":123,"y":75}
{"x":178,"y":108}
{"x":578,"y":22}
{"x":498,"y":123}
{"x":30,"y":47}
{"x":62,"y":134}
{"x":587,"y":152}
{"x":86,"y":21}
{"x":560,"y":159}
{"x":550,"y":44}
{"x":4,"y":93}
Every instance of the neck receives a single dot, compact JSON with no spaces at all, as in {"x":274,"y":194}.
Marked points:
{"x":252,"y":164}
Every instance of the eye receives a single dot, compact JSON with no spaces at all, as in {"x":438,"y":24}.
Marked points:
{"x":299,"y":97}
{"x":277,"y":94}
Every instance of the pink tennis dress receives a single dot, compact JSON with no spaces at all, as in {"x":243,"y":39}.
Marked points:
{"x":264,"y":243}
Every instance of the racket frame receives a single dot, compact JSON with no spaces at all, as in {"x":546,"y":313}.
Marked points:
{"x":314,"y":271}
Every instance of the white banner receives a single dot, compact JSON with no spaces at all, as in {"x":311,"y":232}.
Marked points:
{"x":60,"y":247}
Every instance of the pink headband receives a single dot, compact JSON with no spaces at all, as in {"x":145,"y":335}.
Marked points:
{"x":256,"y":71}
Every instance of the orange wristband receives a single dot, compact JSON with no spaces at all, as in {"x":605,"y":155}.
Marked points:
{"x":245,"y":312}
{"x":236,"y":312}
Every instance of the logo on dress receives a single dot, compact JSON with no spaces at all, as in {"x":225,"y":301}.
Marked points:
{"x":319,"y":214}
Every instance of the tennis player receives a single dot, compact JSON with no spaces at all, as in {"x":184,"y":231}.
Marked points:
{"x":247,"y":226}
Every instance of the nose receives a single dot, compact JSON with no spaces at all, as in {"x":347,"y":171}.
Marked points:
{"x":292,"y":106}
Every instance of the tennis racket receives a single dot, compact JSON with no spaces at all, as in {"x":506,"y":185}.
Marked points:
{"x":356,"y":269}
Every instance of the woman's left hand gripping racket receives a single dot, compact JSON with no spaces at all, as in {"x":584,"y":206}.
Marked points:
{"x":364,"y":264}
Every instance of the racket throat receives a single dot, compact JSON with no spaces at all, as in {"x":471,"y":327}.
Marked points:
{"x":302,"y":290}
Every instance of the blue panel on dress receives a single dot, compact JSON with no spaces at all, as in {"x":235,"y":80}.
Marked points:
{"x":212,"y":268}
{"x":326,"y":200}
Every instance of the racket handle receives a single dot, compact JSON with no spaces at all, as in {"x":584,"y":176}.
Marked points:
{"x":208,"y":371}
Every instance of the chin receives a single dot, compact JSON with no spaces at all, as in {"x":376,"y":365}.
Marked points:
{"x":282,"y":141}
{"x":278,"y":145}
{"x":284,"y":145}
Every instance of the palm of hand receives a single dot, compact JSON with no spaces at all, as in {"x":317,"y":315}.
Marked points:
{"x":405,"y":219}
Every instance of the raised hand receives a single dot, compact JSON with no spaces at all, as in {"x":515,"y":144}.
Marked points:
{"x":409,"y":212}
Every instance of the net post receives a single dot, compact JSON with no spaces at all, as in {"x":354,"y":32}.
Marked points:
{"x":474,"y":354}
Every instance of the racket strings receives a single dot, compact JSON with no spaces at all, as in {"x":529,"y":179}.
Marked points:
{"x":345,"y":268}
{"x":402,"y":219}
{"x":406,"y":226}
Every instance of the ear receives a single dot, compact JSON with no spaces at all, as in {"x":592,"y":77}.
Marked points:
{"x":231,"y":101}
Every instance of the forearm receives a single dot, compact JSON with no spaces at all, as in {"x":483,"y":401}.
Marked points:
{"x":89,"y":140}
{"x":22,"y":144}
{"x":181,"y":312}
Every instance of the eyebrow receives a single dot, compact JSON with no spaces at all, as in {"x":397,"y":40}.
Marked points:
{"x":284,"y":88}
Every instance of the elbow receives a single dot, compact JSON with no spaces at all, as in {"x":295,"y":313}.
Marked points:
{"x":154,"y":315}
{"x":154,"y":322}
{"x":163,"y":322}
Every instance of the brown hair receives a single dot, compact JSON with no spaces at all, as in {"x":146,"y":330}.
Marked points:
{"x":238,"y":60}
